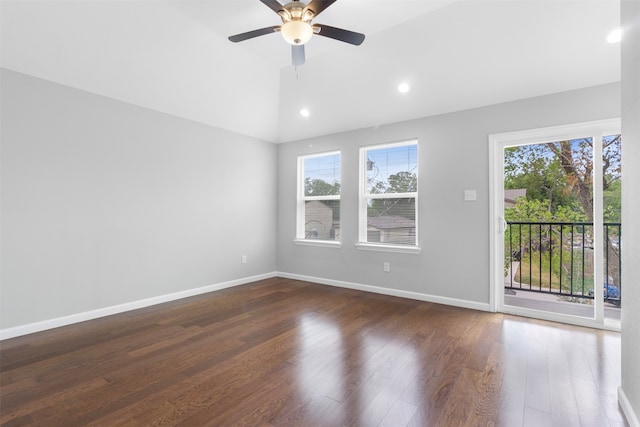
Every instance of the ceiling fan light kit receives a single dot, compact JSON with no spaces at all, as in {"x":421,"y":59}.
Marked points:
{"x":296,"y":32}
{"x":296,"y":26}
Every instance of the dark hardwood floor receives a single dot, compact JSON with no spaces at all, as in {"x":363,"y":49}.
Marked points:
{"x":288,"y":353}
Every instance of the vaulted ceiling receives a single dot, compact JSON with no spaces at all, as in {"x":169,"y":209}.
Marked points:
{"x":174,"y":57}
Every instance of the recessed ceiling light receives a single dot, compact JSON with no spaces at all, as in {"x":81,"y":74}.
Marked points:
{"x":304,"y":112}
{"x":403,"y":88}
{"x":615,"y":36}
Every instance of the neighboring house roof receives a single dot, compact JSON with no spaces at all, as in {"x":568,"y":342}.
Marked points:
{"x":514,"y":194}
{"x":391,"y":221}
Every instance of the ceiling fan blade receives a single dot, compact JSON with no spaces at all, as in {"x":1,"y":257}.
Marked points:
{"x":340,"y":34}
{"x":297,"y":54}
{"x":255,"y":33}
{"x":317,"y":6}
{"x":273,"y":5}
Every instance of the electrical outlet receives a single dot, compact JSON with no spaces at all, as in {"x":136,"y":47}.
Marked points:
{"x":470,"y":195}
{"x":244,"y":259}
{"x":386,"y":267}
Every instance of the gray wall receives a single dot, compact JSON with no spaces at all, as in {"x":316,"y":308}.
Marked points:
{"x":630,"y":11}
{"x":453,"y":156}
{"x":104,"y":203}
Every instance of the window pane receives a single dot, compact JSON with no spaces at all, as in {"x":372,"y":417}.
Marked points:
{"x":612,"y":198}
{"x":391,"y":221}
{"x":322,"y":219}
{"x":392,"y":169}
{"x":322,"y":175}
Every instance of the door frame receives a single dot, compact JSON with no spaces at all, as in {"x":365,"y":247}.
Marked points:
{"x":497,"y":142}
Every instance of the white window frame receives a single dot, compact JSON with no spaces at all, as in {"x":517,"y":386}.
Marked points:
{"x":497,"y":142}
{"x":363,"y":196}
{"x":302,"y":199}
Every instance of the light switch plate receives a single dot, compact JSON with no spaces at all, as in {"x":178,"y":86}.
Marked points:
{"x":470,"y":195}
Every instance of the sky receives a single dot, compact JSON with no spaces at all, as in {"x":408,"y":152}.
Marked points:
{"x":385,"y":160}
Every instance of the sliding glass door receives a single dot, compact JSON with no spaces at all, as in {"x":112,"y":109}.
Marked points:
{"x":556,"y":223}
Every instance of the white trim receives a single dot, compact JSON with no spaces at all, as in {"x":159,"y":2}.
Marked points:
{"x":362,"y":205}
{"x":301,"y":199}
{"x":612,"y":324}
{"x":401,"y":143}
{"x":380,"y":247}
{"x":496,"y":204}
{"x":598,"y":225}
{"x":588,"y":322}
{"x":121,"y":308}
{"x":311,"y":198}
{"x":322,"y":154}
{"x":627,"y":409}
{"x":325,"y":243}
{"x":363,"y":195}
{"x":497,"y":142}
{"x":473,"y":305}
{"x":412,"y":195}
{"x":557,"y":133}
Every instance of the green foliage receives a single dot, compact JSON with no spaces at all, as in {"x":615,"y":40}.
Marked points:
{"x":535,"y":272}
{"x":551,"y":257}
{"x":559,"y":189}
{"x":319,"y":187}
{"x":404,"y":207}
{"x":559,"y":174}
{"x":401,"y":182}
{"x":538,"y":211}
{"x":534,"y":168}
{"x":612,"y":202}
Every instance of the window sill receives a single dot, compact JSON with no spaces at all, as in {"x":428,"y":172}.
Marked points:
{"x":389,"y":248}
{"x":322,"y":243}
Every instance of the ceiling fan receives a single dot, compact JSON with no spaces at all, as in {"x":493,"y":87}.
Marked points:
{"x":297,"y":29}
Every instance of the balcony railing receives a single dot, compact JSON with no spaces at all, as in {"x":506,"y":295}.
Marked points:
{"x":557,"y":258}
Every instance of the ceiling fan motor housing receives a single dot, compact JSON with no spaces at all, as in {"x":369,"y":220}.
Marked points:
{"x":296,"y":28}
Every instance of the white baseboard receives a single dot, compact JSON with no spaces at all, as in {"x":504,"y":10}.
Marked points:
{"x":388,"y":291}
{"x":627,"y":409}
{"x":108,"y":311}
{"x":121,"y":308}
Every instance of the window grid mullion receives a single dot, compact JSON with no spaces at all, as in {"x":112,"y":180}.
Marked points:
{"x":318,"y":215}
{"x":331,"y":197}
{"x":389,"y":225}
{"x":391,"y":195}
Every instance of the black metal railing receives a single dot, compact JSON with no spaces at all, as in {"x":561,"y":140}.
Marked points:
{"x":557,"y":258}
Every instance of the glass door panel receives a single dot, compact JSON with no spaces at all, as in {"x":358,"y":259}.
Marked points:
{"x":556,"y":223}
{"x":548,"y":240}
{"x":611,"y":202}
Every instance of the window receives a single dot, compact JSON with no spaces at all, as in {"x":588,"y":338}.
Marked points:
{"x":388,"y":195}
{"x":319,"y":198}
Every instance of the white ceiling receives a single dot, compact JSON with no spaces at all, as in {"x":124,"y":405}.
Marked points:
{"x":174,"y":57}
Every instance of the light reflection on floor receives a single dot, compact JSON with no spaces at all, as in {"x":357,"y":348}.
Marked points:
{"x":362,"y":379}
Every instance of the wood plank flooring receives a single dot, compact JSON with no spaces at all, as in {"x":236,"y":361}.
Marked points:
{"x":281,"y":352}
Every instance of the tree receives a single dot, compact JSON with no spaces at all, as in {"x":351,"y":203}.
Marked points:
{"x":612,"y":202}
{"x":561,"y":172}
{"x":531,"y":210}
{"x":559,"y":183}
{"x":401,"y":182}
{"x":319,"y":187}
{"x":531,"y":167}
{"x":577,"y":165}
